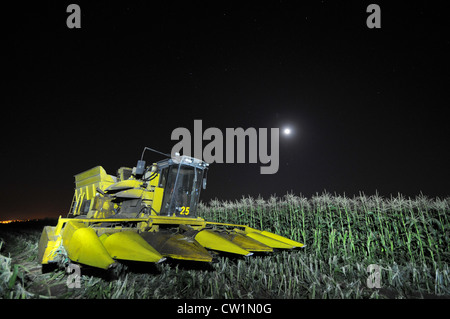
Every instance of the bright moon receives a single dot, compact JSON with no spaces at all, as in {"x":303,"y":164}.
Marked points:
{"x":287,"y":131}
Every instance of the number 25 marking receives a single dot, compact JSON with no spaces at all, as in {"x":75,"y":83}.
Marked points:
{"x":184,"y":210}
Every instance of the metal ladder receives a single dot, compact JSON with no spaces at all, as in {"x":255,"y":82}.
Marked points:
{"x":76,"y":200}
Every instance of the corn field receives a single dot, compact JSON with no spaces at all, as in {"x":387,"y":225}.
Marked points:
{"x":370,"y":228}
{"x":407,"y":239}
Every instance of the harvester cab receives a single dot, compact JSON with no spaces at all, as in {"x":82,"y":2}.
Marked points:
{"x":182,"y":179}
{"x":147,"y":214}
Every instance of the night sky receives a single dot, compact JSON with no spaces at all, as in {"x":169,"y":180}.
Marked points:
{"x":368,"y":108}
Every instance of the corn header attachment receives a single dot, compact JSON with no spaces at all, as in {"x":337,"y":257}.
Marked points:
{"x":147,"y":214}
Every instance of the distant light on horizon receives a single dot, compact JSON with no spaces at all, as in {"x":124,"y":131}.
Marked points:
{"x":14,"y":221}
{"x":287,"y":131}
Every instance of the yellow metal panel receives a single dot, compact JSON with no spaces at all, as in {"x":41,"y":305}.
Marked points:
{"x":122,"y":185}
{"x":282,"y":239}
{"x":50,"y":241}
{"x":48,"y":245}
{"x":158,"y":220}
{"x":83,"y":245}
{"x":246,"y":242}
{"x":157,"y":198}
{"x":177,"y":246}
{"x":135,"y":193}
{"x":266,"y":240}
{"x":91,"y":176}
{"x":155,"y":179}
{"x":269,"y":241}
{"x":88,"y":181}
{"x":60,"y":224}
{"x":213,"y":240}
{"x":128,"y":245}
{"x":106,"y":220}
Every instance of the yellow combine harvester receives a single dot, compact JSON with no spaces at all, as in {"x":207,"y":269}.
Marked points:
{"x":147,"y":214}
